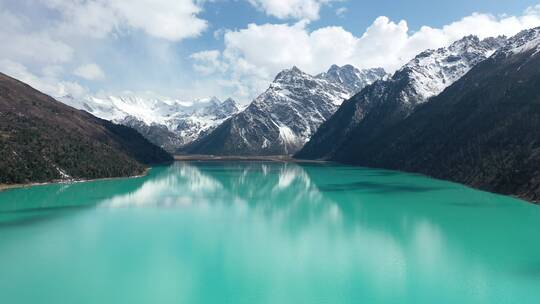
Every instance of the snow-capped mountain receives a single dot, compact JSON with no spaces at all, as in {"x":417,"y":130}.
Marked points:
{"x":385,"y":102}
{"x":481,"y":131}
{"x":523,"y":42}
{"x":282,"y":119}
{"x":352,"y":78}
{"x":430,"y":72}
{"x":169,"y":123}
{"x":192,"y":125}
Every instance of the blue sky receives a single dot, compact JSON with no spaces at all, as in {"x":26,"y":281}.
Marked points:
{"x":361,"y":13}
{"x":197,"y":48}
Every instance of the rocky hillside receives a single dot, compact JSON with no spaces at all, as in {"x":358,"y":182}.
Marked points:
{"x":282,"y":119}
{"x":388,"y":101}
{"x":42,"y":140}
{"x":481,"y":131}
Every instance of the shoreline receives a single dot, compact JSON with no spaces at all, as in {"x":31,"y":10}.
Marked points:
{"x":287,"y":159}
{"x":215,"y":158}
{"x":7,"y":187}
{"x":235,"y":158}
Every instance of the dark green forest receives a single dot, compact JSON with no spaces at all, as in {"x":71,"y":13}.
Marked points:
{"x":44,"y":140}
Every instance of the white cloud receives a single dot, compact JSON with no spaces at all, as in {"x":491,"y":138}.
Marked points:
{"x":172,"y":20}
{"x":90,"y":71}
{"x":254,"y":55}
{"x":22,"y":43}
{"x":168,"y":19}
{"x":47,"y":82}
{"x":208,"y":62}
{"x":36,"y":47}
{"x":48,"y":41}
{"x":297,"y":9}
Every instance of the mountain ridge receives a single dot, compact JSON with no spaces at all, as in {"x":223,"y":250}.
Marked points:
{"x":168,"y":123}
{"x":388,"y":101}
{"x":42,"y":140}
{"x":480,"y":131}
{"x":283,"y":118}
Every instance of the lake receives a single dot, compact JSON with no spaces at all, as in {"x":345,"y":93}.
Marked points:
{"x":256,"y":232}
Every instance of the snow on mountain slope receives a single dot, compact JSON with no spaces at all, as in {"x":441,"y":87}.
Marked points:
{"x":481,"y":131}
{"x":521,"y":43}
{"x":387,"y":101}
{"x":432,"y":71}
{"x":169,"y":123}
{"x":282,"y":119}
{"x":352,"y":78}
{"x":192,"y":126}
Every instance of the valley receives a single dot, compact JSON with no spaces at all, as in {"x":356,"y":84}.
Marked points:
{"x":348,"y":115}
{"x":269,"y":151}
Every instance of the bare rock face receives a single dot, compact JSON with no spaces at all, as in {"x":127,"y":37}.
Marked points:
{"x":282,"y":119}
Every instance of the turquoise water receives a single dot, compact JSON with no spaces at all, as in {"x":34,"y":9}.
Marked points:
{"x":267,"y":233}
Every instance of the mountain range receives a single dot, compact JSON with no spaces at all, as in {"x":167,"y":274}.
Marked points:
{"x":361,"y":118}
{"x":468,"y":113}
{"x":168,"y":123}
{"x":282,"y":119}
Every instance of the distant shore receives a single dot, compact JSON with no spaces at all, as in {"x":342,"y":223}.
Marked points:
{"x":289,"y":159}
{"x":276,"y":158}
{"x":5,"y":187}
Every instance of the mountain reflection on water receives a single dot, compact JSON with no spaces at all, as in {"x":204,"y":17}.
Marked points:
{"x":265,"y":232}
{"x":260,"y":187}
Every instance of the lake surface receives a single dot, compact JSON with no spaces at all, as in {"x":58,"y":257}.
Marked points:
{"x":267,"y":233}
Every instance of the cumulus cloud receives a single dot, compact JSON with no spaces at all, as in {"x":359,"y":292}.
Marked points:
{"x":297,"y":9}
{"x":90,"y":71}
{"x":47,"y":42}
{"x":167,"y":19}
{"x":255,"y":54}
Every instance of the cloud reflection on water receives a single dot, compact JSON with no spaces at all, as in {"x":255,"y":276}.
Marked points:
{"x":301,"y":229}
{"x":266,"y":188}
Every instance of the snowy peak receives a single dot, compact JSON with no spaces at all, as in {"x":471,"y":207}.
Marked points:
{"x":379,"y":106}
{"x":230,"y":106}
{"x":167,"y":122}
{"x":473,"y":48}
{"x":219,"y":109}
{"x":212,"y":101}
{"x":230,"y":101}
{"x":293,"y":86}
{"x":430,"y":72}
{"x":525,"y":41}
{"x":283,"y":118}
{"x":291,"y":76}
{"x":494,"y":43}
{"x":348,"y":78}
{"x":151,"y":110}
{"x":352,"y":78}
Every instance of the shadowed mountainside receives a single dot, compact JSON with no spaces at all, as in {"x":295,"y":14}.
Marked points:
{"x":42,"y":140}
{"x":481,"y":131}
